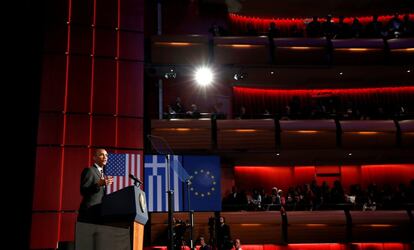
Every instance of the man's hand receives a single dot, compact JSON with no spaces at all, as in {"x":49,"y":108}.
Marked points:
{"x":107,"y":181}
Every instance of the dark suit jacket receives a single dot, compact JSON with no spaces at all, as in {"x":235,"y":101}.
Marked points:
{"x":92,"y":195}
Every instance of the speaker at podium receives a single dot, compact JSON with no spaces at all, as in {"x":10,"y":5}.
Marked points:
{"x":124,"y":215}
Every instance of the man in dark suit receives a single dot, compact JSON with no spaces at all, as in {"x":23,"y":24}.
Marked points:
{"x":92,"y":188}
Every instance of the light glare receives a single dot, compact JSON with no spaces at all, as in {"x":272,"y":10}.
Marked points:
{"x":204,"y":76}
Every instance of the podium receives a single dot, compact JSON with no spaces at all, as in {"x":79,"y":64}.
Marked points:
{"x":124,"y":214}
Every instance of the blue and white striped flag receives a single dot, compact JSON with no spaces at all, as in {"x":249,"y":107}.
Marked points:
{"x":155,"y":171}
{"x":119,"y":166}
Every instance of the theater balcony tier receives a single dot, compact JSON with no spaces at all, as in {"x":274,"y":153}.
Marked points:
{"x":272,"y":227}
{"x":258,"y":141}
{"x":199,"y":49}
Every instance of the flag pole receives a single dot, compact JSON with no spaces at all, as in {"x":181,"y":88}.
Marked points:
{"x":170,"y":194}
{"x":191,"y":214}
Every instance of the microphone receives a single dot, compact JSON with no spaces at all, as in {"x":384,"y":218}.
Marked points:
{"x":135,"y":179}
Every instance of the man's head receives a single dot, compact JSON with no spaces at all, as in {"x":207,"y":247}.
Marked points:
{"x":202,"y":241}
{"x":237,"y":243}
{"x":100,"y":157}
{"x":222,"y":220}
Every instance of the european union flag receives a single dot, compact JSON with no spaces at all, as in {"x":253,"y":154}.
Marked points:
{"x":156,"y":185}
{"x":205,"y":191}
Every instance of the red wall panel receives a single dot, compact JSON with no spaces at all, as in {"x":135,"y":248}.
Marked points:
{"x":350,"y":175}
{"x":79,"y":88}
{"x":56,"y":38}
{"x":68,"y":225}
{"x":387,"y":174}
{"x":82,"y":12}
{"x":132,"y":15}
{"x":77,"y":130}
{"x":130,"y":133}
{"x":106,"y":12}
{"x":103,"y":131}
{"x":80,"y":40}
{"x":248,"y":177}
{"x":76,"y":159}
{"x":57,"y":11}
{"x":52,"y":93}
{"x":44,"y":233}
{"x":47,"y":175}
{"x":105,"y":42}
{"x":104,"y":96}
{"x":50,"y":129}
{"x":68,"y":78}
{"x":131,"y":89}
{"x":304,"y":174}
{"x":130,"y":46}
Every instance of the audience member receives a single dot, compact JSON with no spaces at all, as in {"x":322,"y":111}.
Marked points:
{"x":313,"y":29}
{"x":374,"y":28}
{"x":204,"y":245}
{"x":395,"y":26}
{"x":343,"y":30}
{"x":237,"y":244}
{"x":356,"y":28}
{"x":407,"y":27}
{"x":328,"y":28}
{"x":193,"y":113}
{"x":223,"y":235}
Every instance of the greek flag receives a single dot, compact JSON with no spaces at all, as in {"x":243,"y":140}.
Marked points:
{"x":156,"y":184}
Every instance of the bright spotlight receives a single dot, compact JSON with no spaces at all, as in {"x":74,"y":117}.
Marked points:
{"x":204,"y":76}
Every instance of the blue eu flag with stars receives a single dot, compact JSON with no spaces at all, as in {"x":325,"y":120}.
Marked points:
{"x":205,"y":191}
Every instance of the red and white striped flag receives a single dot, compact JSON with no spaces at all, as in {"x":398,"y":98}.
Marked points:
{"x":120,"y":166}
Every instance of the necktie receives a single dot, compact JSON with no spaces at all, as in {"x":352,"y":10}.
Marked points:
{"x":102,"y":175}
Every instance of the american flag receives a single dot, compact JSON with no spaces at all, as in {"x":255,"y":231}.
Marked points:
{"x":119,"y":166}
